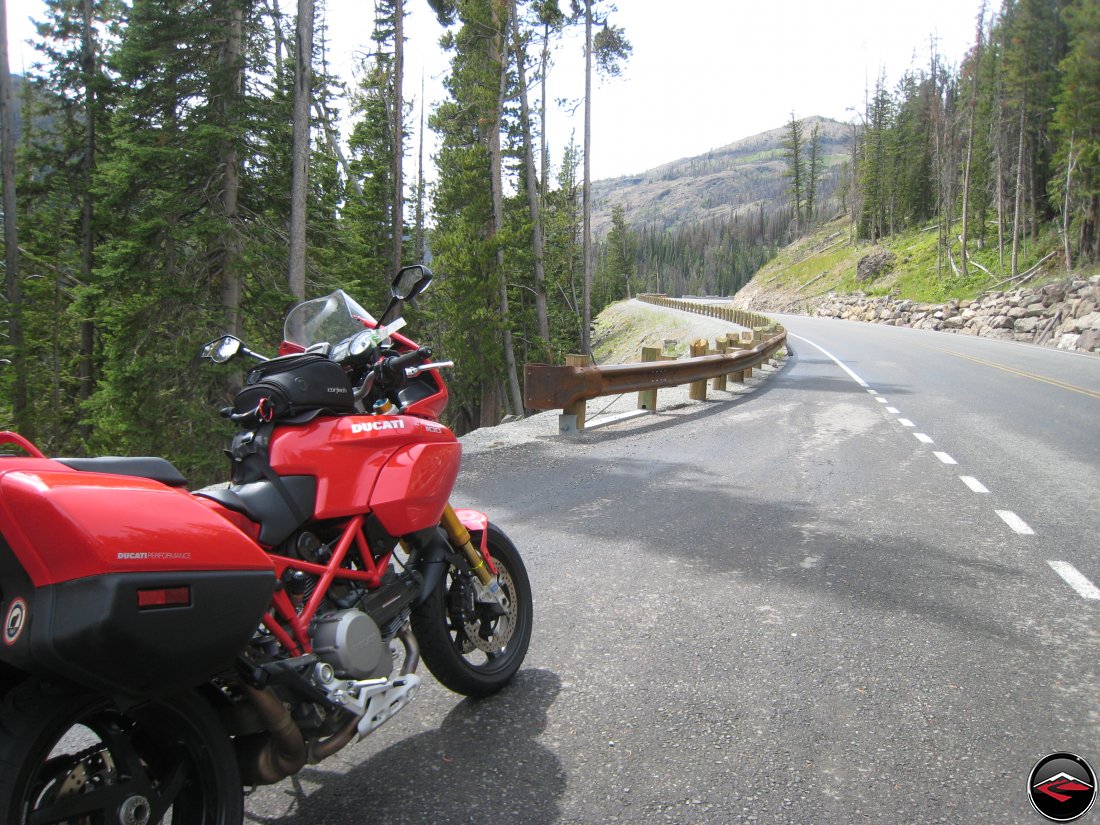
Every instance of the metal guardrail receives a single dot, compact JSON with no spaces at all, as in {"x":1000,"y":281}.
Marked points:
{"x":741,"y":317}
{"x":569,"y":387}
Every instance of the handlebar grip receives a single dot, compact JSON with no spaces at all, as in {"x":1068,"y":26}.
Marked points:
{"x":393,"y":369}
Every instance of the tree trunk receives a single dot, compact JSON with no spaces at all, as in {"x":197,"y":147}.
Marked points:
{"x":972,"y":106}
{"x":332,"y":138}
{"x":87,"y":212}
{"x":586,"y":346}
{"x":1019,"y":196}
{"x":303,"y":69}
{"x":1066,"y":204}
{"x":277,"y":26}
{"x":544,"y":152}
{"x":538,"y":243}
{"x":418,"y":238}
{"x":498,"y":54}
{"x":966,"y":178}
{"x":231,"y":276}
{"x":398,"y":215}
{"x":11,"y":234}
{"x":1000,"y":206}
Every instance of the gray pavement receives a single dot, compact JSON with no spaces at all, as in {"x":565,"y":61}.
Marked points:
{"x":779,"y":607}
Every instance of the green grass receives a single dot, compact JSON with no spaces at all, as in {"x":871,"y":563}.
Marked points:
{"x":916,"y":274}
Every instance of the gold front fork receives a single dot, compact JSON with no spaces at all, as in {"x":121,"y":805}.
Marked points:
{"x":460,"y":537}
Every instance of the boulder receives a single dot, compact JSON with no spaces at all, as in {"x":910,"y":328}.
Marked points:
{"x":1089,"y":341}
{"x":1090,"y":321}
{"x":874,"y":263}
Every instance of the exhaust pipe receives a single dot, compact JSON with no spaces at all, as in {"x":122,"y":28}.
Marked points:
{"x":325,"y":748}
{"x":273,"y":756}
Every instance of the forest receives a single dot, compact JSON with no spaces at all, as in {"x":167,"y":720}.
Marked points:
{"x":179,"y":171}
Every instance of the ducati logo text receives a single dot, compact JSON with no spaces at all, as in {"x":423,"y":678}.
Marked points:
{"x":375,"y":426}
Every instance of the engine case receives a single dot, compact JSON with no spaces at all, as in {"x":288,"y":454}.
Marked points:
{"x":351,"y":642}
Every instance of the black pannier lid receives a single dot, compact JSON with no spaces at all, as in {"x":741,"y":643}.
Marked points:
{"x":297,"y":387}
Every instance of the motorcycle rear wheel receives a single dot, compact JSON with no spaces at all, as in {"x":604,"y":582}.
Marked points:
{"x":466,"y":648}
{"x":74,"y":758}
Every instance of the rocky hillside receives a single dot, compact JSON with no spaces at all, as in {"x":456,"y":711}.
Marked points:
{"x":742,"y":176}
{"x":898,"y":284}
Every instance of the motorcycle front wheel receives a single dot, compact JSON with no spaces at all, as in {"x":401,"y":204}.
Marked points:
{"x":467,"y":646}
{"x":77,"y":759}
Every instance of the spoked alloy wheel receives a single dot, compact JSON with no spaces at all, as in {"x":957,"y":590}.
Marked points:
{"x":76,"y":759}
{"x":466,"y":645}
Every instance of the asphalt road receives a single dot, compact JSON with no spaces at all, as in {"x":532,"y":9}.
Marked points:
{"x":797,"y":606}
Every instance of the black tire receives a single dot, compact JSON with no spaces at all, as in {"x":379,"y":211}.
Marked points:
{"x":67,"y":757}
{"x":466,"y":647}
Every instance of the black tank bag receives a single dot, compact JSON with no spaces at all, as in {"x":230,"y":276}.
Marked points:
{"x":296,"y":389}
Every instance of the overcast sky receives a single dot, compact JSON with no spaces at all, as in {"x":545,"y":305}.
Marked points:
{"x":703,"y":73}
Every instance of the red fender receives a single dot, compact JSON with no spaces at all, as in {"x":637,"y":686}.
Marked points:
{"x":473,"y":520}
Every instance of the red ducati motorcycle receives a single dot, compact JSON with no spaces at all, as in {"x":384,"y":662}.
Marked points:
{"x":161,"y":649}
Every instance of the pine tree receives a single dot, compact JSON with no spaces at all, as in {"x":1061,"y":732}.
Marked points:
{"x":611,"y":49}
{"x":794,"y":156}
{"x":1075,"y":184}
{"x":813,"y":171}
{"x":300,"y":147}
{"x":531,"y":176}
{"x":615,"y":277}
{"x":11,"y":233}
{"x":466,"y":240}
{"x":158,"y":276}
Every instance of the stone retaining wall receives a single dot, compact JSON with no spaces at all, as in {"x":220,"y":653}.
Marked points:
{"x":1064,"y":314}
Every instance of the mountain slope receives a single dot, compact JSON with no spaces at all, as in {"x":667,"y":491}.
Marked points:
{"x":745,"y":175}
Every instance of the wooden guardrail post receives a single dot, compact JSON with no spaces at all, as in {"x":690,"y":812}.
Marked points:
{"x":721,"y":345}
{"x":647,"y":399}
{"x":698,"y":389}
{"x":736,"y":341}
{"x":572,"y":417}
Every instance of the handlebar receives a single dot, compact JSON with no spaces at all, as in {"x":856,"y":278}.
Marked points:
{"x":394,"y":369}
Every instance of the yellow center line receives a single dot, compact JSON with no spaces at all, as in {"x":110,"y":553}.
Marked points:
{"x":1022,"y":373}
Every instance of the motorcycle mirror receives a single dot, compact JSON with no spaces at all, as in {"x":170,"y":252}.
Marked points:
{"x":410,"y":281}
{"x":222,"y":349}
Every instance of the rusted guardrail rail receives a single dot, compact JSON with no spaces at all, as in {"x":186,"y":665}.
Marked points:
{"x":568,"y":388}
{"x":741,"y":317}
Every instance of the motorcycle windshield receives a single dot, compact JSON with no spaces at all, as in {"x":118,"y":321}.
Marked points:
{"x":325,"y":320}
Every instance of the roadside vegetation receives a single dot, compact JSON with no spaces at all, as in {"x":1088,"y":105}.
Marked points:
{"x":821,"y":262}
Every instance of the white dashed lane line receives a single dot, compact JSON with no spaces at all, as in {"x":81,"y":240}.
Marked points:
{"x":974,"y":484}
{"x":1075,"y":579}
{"x":1015,"y":522}
{"x":1070,"y":574}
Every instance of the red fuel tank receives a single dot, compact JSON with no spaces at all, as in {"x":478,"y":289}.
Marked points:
{"x":401,"y":467}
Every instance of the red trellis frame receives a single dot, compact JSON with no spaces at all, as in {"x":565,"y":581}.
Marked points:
{"x":285,"y":611}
